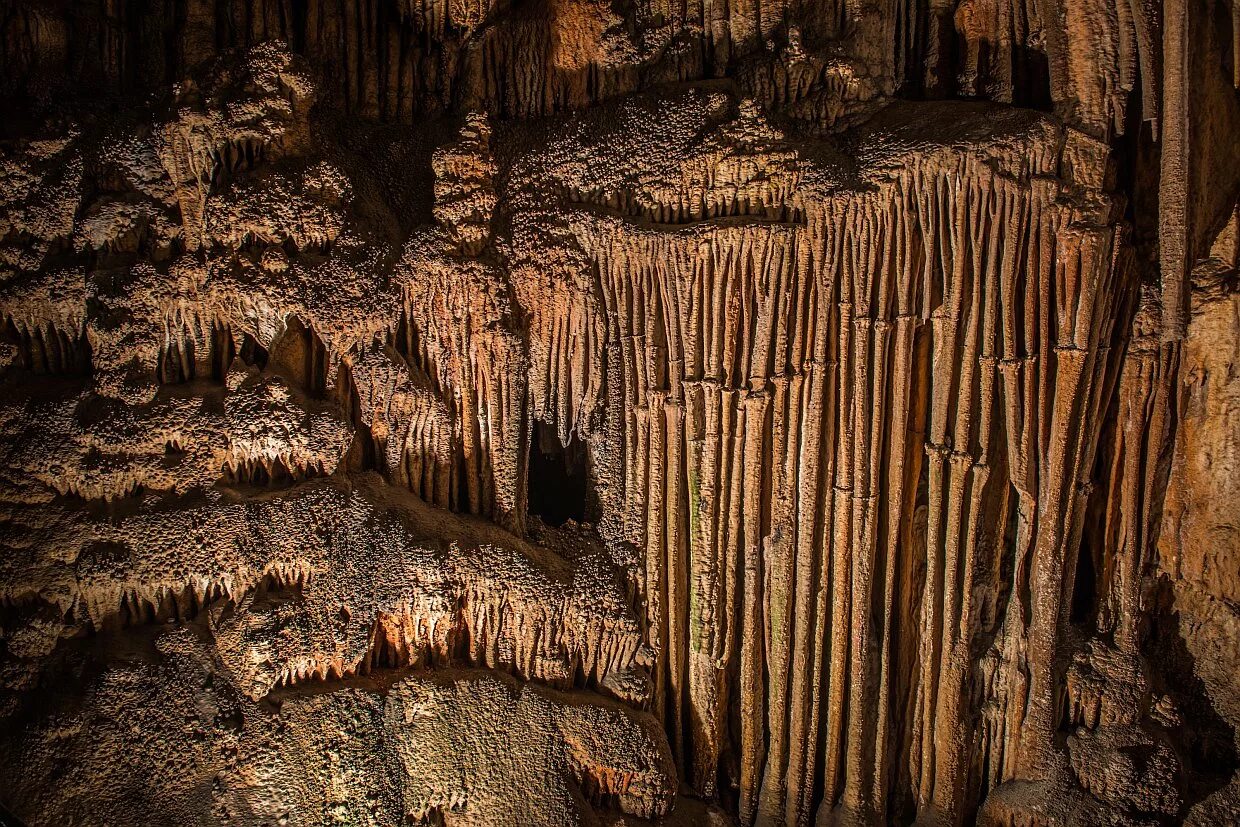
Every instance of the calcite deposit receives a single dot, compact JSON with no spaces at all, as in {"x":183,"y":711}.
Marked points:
{"x":570,"y":412}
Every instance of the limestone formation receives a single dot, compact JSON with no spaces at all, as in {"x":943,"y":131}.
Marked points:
{"x":572,"y":412}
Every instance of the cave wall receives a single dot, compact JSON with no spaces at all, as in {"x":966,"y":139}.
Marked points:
{"x":888,"y":349}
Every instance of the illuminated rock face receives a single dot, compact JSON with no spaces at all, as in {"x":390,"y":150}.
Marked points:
{"x":566,"y":412}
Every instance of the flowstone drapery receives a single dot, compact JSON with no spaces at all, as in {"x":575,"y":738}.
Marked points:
{"x":566,"y":412}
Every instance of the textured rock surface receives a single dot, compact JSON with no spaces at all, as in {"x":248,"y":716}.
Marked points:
{"x":571,"y":412}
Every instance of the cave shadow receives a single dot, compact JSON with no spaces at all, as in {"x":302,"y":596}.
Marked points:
{"x":559,"y":477}
{"x":1204,"y":740}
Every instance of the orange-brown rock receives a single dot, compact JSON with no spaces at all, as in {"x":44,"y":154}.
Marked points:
{"x":572,"y":412}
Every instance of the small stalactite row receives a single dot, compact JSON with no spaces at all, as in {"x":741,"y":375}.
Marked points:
{"x":46,"y":347}
{"x":404,"y":414}
{"x":195,"y":349}
{"x":477,"y":367}
{"x":531,"y":642}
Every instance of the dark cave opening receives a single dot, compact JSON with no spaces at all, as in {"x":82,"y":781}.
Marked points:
{"x":558,"y":477}
{"x":7,"y":819}
{"x":252,"y":353}
{"x":1084,"y":585}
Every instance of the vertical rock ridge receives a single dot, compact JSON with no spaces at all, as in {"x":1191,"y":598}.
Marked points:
{"x":979,"y":298}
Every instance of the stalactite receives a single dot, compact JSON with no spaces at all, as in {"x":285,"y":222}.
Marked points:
{"x":809,"y":337}
{"x":856,"y":453}
{"x":478,"y":366}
